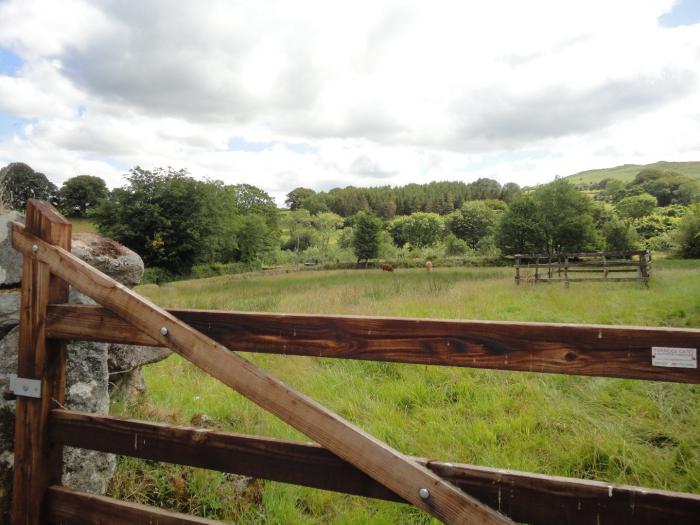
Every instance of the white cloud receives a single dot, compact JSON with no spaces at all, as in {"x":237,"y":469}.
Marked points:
{"x":378,"y":92}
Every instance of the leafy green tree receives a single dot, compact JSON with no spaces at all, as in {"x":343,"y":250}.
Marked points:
{"x":455,"y":245}
{"x":301,"y":233}
{"x":365,"y":242}
{"x":521,"y":228}
{"x":482,"y":189}
{"x":688,"y":236}
{"x":19,"y":183}
{"x":510,"y":191}
{"x":254,"y":238}
{"x":636,"y":206}
{"x":164,"y":215}
{"x":80,"y":193}
{"x":566,"y":218}
{"x":297,"y":196}
{"x":474,"y":221}
{"x":326,"y":224}
{"x":619,"y":235}
{"x":419,"y":229}
{"x":669,"y":187}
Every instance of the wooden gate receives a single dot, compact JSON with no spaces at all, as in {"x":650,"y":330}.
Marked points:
{"x":346,"y":458}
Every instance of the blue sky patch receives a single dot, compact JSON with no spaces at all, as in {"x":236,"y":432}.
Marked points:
{"x":11,"y":125}
{"x":240,"y":144}
{"x":684,"y":13}
{"x":10,"y":63}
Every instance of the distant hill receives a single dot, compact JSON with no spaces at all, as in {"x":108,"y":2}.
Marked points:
{"x":627,"y":172}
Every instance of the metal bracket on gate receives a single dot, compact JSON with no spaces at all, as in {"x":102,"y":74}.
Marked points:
{"x":21,"y":386}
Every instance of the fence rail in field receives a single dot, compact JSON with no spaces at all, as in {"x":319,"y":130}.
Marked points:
{"x":624,"y":266}
{"x":346,"y":459}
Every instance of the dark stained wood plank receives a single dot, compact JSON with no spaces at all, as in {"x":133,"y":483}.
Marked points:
{"x":68,"y":507}
{"x":525,"y":497}
{"x":377,"y":459}
{"x":36,"y":462}
{"x":593,"y":350}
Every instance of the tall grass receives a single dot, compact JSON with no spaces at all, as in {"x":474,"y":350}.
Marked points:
{"x":641,"y":433}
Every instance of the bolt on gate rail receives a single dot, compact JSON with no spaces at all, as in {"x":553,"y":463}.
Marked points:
{"x":346,"y":459}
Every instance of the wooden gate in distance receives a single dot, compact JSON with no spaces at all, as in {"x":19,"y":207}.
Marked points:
{"x":346,"y":459}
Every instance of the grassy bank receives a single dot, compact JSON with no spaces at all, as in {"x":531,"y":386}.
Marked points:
{"x":634,"y":432}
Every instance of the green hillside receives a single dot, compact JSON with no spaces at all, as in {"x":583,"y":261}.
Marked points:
{"x":626,"y":172}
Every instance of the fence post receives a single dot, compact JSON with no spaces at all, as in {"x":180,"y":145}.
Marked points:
{"x":517,"y":269}
{"x":37,"y":463}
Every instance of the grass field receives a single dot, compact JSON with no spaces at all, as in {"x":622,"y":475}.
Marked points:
{"x":627,"y":172}
{"x":640,"y":433}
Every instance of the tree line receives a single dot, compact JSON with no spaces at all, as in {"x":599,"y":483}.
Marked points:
{"x":176,"y":222}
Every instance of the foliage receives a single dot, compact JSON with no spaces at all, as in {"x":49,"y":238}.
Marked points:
{"x":688,"y":236}
{"x":472,"y":222}
{"x":566,"y":218}
{"x":80,"y":193}
{"x":619,"y":235}
{"x":636,"y":206}
{"x":163,"y":215}
{"x":667,"y":186}
{"x":419,"y":229}
{"x":297,"y":196}
{"x":365,"y":241}
{"x":521,"y":228}
{"x":174,"y":221}
{"x":19,"y":183}
{"x":455,"y":246}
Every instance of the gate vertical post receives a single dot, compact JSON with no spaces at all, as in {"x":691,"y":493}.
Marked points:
{"x":37,"y":463}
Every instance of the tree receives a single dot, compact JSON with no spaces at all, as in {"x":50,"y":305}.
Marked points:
{"x":484,"y":188}
{"x":253,"y":238}
{"x":165,"y":216}
{"x":19,"y":183}
{"x":669,"y":187}
{"x":365,"y":240}
{"x":510,"y":191}
{"x":636,"y":206}
{"x":326,"y":224}
{"x":419,"y":229}
{"x":474,"y":221}
{"x":688,"y":236}
{"x":619,"y":235}
{"x":80,"y":193}
{"x":521,"y":228}
{"x":566,"y":218}
{"x":297,"y":196}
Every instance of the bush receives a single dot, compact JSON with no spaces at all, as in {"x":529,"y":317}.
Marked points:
{"x":455,"y":245}
{"x":688,"y":236}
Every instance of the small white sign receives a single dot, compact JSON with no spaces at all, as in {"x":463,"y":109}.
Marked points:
{"x":674,"y":357}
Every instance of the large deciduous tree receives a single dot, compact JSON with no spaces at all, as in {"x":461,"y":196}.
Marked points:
{"x":78,"y":194}
{"x":19,"y":183}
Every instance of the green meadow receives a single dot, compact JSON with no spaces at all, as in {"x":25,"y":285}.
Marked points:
{"x":620,"y":431}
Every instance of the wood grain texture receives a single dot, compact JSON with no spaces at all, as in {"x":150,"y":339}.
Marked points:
{"x":525,"y":497}
{"x":68,"y":507}
{"x":375,"y":458}
{"x":36,"y":462}
{"x":593,"y":350}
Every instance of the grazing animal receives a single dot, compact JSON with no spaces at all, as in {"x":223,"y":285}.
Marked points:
{"x":387,"y":268}
{"x":429,"y":266}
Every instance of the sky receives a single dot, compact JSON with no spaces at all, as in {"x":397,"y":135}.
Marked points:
{"x":324,"y":94}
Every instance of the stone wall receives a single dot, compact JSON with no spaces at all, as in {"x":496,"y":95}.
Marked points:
{"x":94,"y":370}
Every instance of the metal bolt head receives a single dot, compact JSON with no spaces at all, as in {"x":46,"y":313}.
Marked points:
{"x":163,"y":330}
{"x":424,"y":493}
{"x":35,"y":248}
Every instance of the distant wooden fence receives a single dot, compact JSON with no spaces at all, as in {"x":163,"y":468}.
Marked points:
{"x":346,"y":459}
{"x":580,"y":267}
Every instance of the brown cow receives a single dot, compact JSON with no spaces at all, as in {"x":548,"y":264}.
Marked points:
{"x":429,"y":266}
{"x":387,"y":268}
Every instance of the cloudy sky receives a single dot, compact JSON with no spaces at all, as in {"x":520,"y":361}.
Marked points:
{"x":322,"y":94}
